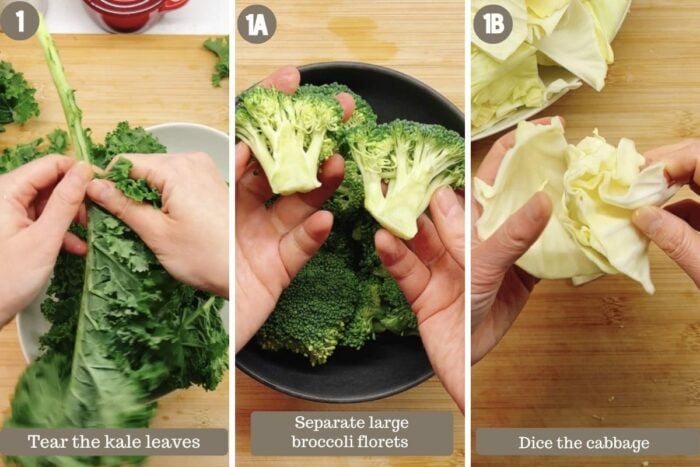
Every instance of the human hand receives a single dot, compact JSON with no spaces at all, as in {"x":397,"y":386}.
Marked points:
{"x":499,"y":288}
{"x":273,"y":244}
{"x":429,"y":268}
{"x":38,"y":202}
{"x":676,"y":228}
{"x":189,"y":234}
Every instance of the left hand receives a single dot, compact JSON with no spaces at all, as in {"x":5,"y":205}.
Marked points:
{"x":38,"y":203}
{"x":273,"y":244}
{"x":500,"y":289}
{"x":429,"y":268}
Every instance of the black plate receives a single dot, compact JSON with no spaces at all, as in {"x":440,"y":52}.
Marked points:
{"x":390,"y":364}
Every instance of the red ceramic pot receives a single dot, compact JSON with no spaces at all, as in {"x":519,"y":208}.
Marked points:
{"x":129,"y":15}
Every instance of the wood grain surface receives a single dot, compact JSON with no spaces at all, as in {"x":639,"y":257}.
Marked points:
{"x":146,"y":80}
{"x":606,"y":354}
{"x":423,"y":39}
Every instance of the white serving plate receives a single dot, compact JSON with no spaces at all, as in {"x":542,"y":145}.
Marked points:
{"x":178,"y":138}
{"x":529,"y":112}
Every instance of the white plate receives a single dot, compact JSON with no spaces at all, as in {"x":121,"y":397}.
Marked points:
{"x":529,"y":112}
{"x":178,"y":138}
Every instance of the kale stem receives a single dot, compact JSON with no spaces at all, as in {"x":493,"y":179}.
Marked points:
{"x":71,"y":110}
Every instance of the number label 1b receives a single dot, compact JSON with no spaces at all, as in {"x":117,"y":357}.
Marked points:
{"x":493,"y":24}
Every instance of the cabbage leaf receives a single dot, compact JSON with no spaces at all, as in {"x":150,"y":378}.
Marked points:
{"x":594,"y":187}
{"x":499,"y":88}
{"x":575,"y":45}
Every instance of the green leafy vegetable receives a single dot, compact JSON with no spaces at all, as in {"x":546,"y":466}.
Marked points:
{"x":220,"y":47}
{"x":22,"y":153}
{"x":17,"y":102}
{"x":123,"y":331}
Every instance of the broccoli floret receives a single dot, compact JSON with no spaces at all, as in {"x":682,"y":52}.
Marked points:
{"x":288,"y":134}
{"x":414,"y":160}
{"x":347,"y":200}
{"x":361,"y":328}
{"x":363,"y":114}
{"x":396,"y":316}
{"x":363,"y":232}
{"x":312,"y":313}
{"x":382,"y":308}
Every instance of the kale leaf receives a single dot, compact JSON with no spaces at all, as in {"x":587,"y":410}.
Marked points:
{"x":220,"y":47}
{"x":17,"y":102}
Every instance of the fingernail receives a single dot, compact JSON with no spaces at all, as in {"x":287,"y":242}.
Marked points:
{"x":447,"y":201}
{"x":648,"y":219}
{"x":533,"y":211}
{"x":100,"y":191}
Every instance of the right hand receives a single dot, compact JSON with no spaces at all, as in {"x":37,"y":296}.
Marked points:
{"x":189,"y":234}
{"x":676,"y":228}
{"x":429,"y":269}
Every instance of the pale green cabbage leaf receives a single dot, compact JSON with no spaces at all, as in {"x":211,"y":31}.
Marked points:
{"x":543,"y":16}
{"x":575,"y":44}
{"x":594,"y":187}
{"x":499,"y":88}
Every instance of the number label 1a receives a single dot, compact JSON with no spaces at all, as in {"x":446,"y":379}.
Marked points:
{"x":256,"y":24}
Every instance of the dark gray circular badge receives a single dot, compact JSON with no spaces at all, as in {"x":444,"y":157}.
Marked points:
{"x":256,"y":24}
{"x":19,"y":20}
{"x":493,"y":24}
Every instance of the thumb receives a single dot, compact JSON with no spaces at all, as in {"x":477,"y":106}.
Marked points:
{"x":676,"y":238}
{"x":303,"y":241}
{"x":448,"y":216}
{"x":143,"y":218}
{"x":517,"y":234}
{"x":64,"y":203}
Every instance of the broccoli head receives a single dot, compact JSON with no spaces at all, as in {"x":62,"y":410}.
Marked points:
{"x":382,"y":308}
{"x":360,"y":329}
{"x":414,"y":160}
{"x":363,"y":233}
{"x":313,"y":311}
{"x":347,"y":200}
{"x":290,"y":135}
{"x":397,"y":315}
{"x":363,"y":114}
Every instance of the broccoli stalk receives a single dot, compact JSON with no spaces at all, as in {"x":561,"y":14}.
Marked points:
{"x":414,"y":160}
{"x":288,"y":134}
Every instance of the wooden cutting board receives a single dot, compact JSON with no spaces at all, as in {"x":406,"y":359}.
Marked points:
{"x":606,"y":354}
{"x":422,"y":39}
{"x":146,"y":80}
